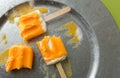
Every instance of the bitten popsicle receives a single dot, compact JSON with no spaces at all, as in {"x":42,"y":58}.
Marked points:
{"x":53,"y":51}
{"x":32,"y":24}
{"x":20,"y":56}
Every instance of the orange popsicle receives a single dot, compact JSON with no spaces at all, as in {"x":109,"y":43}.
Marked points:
{"x":20,"y":56}
{"x":31,"y":25}
{"x":52,"y":49}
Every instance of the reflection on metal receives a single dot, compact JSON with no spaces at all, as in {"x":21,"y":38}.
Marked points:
{"x":87,"y":31}
{"x":94,"y":46}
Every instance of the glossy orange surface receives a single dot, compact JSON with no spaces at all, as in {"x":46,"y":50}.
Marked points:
{"x":20,"y":56}
{"x":30,"y":25}
{"x":51,"y":48}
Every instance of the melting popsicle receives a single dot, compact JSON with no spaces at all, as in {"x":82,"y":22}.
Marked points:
{"x":20,"y":56}
{"x":32,"y":25}
{"x":53,"y":51}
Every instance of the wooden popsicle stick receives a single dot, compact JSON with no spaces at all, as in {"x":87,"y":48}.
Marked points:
{"x":61,"y":71}
{"x":57,"y":13}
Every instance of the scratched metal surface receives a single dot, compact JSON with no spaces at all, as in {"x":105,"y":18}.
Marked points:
{"x":84,"y":60}
{"x":105,"y":28}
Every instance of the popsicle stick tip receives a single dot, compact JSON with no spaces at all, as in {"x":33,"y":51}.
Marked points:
{"x":61,"y":71}
{"x":57,"y":13}
{"x":68,"y":8}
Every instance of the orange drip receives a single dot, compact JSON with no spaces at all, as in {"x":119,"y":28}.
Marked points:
{"x":4,"y":56}
{"x":71,"y":31}
{"x":43,"y":10}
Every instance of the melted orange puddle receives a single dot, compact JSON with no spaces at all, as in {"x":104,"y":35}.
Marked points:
{"x":4,"y":39}
{"x":68,"y":69}
{"x":71,"y":32}
{"x":3,"y":36}
{"x":4,"y":56}
{"x":43,"y":10}
{"x":72,"y":29}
